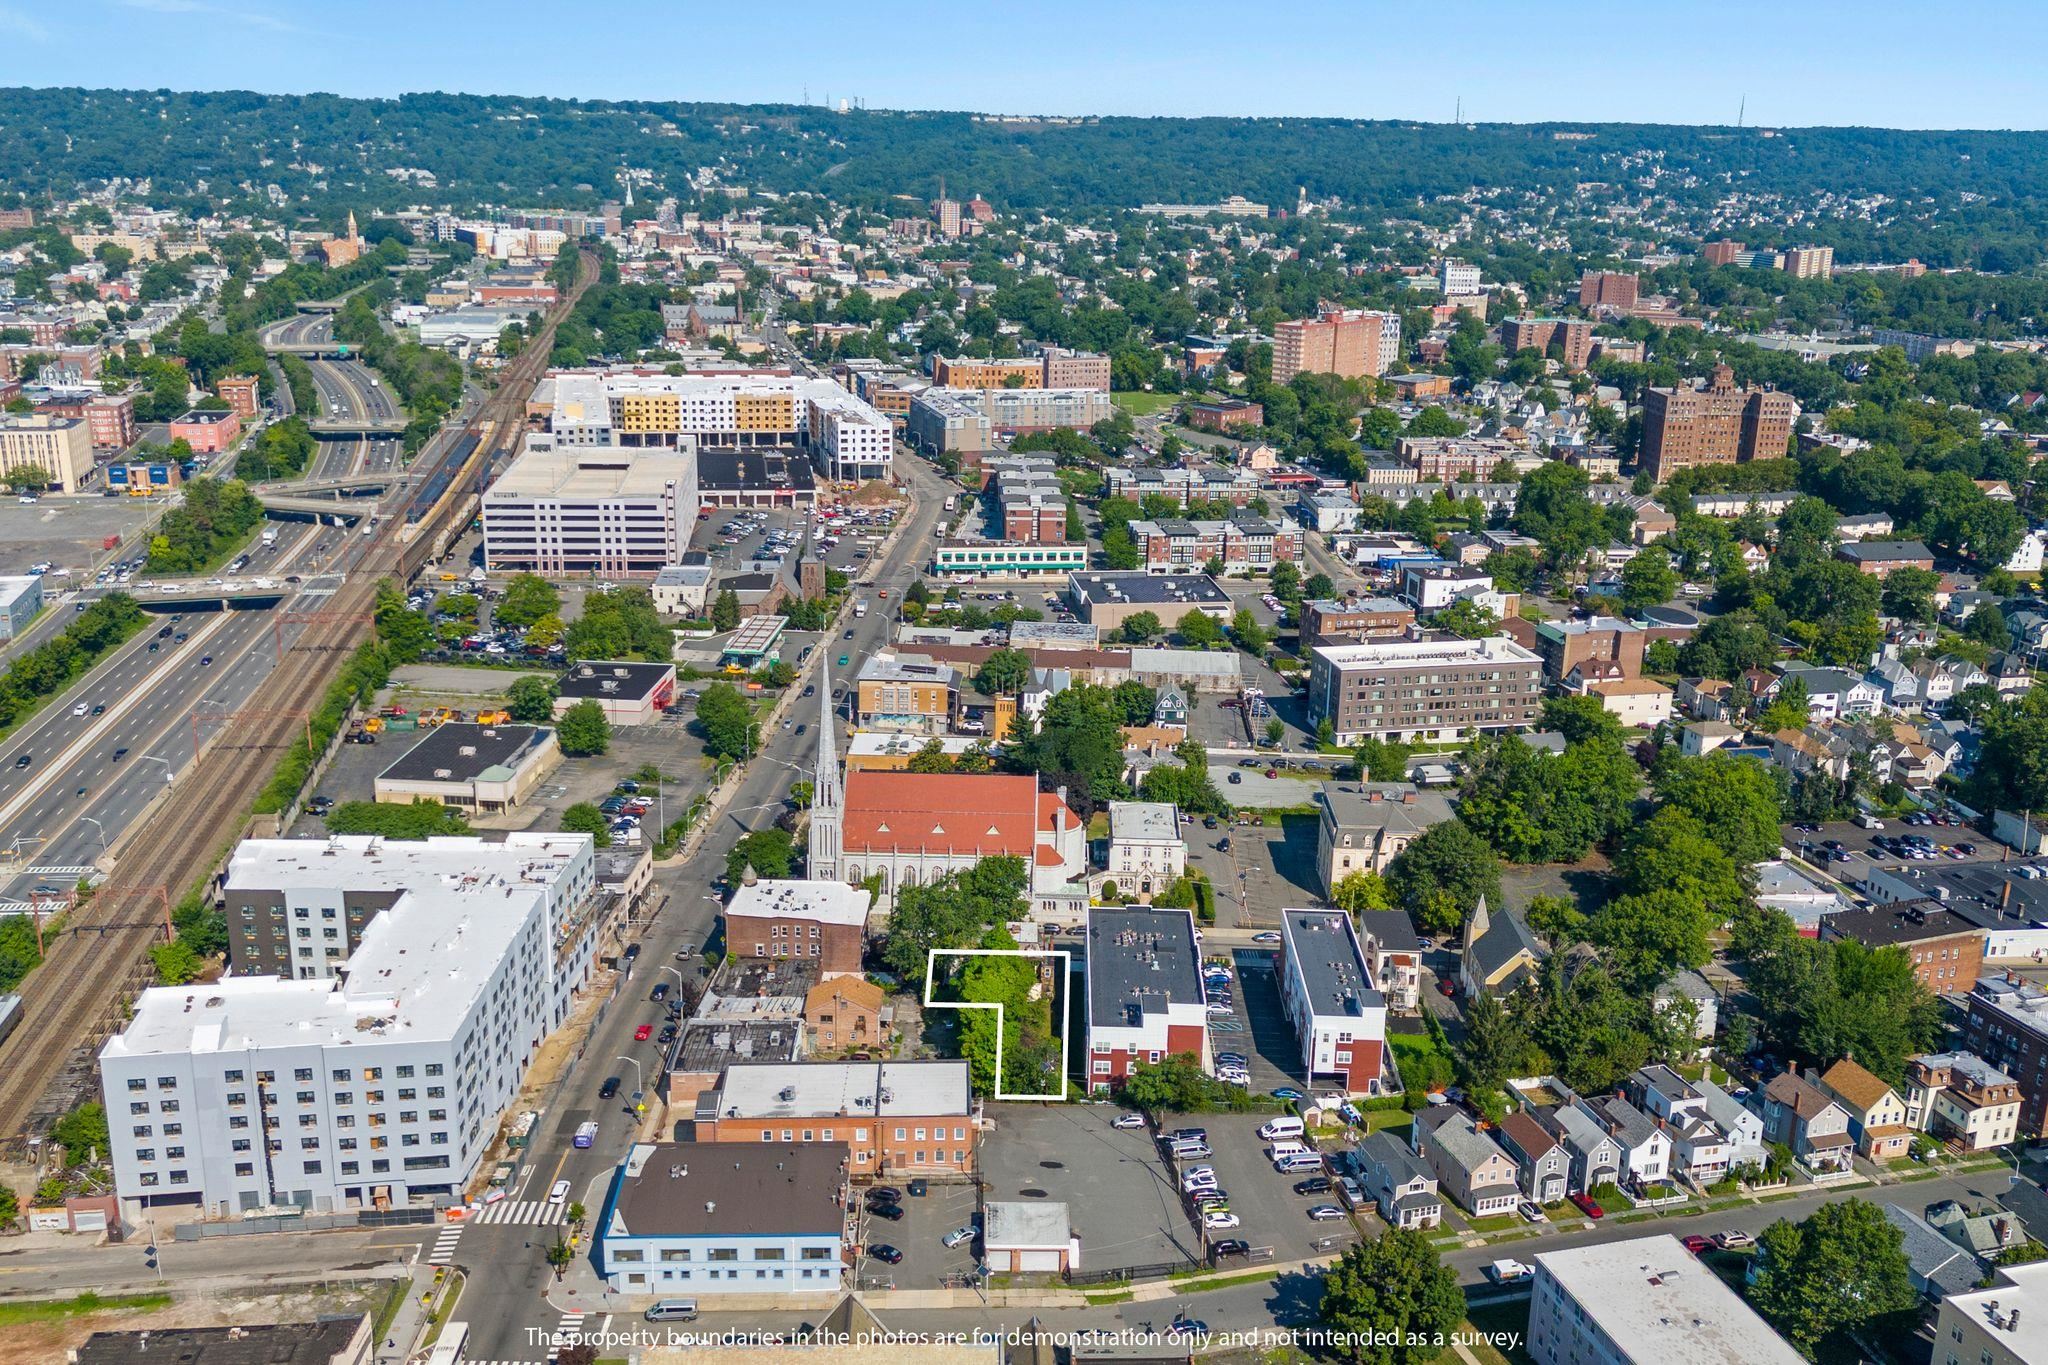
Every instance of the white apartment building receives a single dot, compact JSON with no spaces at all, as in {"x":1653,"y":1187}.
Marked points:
{"x":609,"y":510}
{"x":299,"y":907}
{"x":1646,"y":1299}
{"x":381,"y":1086}
{"x":1146,"y":852}
{"x":845,"y":437}
{"x":1456,"y":277}
{"x":1328,"y":994}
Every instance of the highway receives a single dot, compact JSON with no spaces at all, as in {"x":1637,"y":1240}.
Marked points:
{"x":508,"y":1259}
{"x":346,"y":391}
{"x":126,"y":758}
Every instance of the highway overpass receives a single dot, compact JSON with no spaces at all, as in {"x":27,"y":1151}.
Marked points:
{"x":355,"y":428}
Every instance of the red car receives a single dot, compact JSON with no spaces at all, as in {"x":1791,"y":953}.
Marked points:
{"x":643,"y":1033}
{"x":1698,"y":1245}
{"x":1588,"y":1207}
{"x":1446,"y":987}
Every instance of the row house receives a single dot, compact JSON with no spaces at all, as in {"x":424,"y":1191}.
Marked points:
{"x":1175,"y":545}
{"x":1801,"y":1116}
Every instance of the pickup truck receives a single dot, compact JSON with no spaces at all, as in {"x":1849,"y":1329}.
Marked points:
{"x":1507,"y":1272}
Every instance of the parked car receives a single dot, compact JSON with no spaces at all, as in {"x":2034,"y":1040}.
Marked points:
{"x":643,"y":1033}
{"x":1586,"y":1206}
{"x":1229,"y":1246}
{"x":1128,"y":1121}
{"x":1531,"y":1211}
{"x":1508,"y":1271}
{"x":1733,"y":1240}
{"x":957,"y":1237}
{"x":1288,"y":1093}
{"x":1315,"y":1184}
{"x":885,"y":1194}
{"x":886,"y":1254}
{"x":1324,"y":1213}
{"x":892,"y":1212}
{"x":1697,"y":1244}
{"x":1216,"y":1222}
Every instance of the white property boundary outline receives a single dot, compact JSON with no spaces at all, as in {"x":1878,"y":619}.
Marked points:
{"x":1066,"y":960}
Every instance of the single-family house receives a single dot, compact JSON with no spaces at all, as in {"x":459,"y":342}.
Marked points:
{"x":1543,"y":1168}
{"x":1396,"y":1180}
{"x":1595,"y":1153}
{"x":1803,"y":1117}
{"x":1501,"y":954}
{"x":1645,"y":1145}
{"x":1936,"y":1265}
{"x":1469,"y":1165}
{"x":1877,"y":1116}
{"x":1741,"y":1125}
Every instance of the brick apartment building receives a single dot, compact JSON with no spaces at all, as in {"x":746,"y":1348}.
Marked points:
{"x":1352,"y":343}
{"x":1145,"y":996}
{"x":2008,"y":1027}
{"x":1716,"y":424}
{"x":1573,"y":335}
{"x":208,"y":433}
{"x":1424,"y":689}
{"x":1226,"y":414}
{"x":1809,"y":262}
{"x":1567,"y":645}
{"x":1173,"y":545}
{"x":1610,"y":288}
{"x":825,"y":922}
{"x":240,"y":393}
{"x":1355,"y":620}
{"x":1720,"y":253}
{"x":894,"y":1118}
{"x":1057,"y":368}
{"x":1947,"y":950}
{"x":1454,"y":459}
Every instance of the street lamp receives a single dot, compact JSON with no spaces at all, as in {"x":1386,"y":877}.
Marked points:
{"x":98,"y":826}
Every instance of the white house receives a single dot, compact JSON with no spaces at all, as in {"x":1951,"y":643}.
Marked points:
{"x":1146,"y":852}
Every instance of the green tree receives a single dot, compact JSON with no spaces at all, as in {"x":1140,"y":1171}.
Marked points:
{"x":1276,"y":730}
{"x":1197,"y":630}
{"x":82,"y":1134}
{"x":1493,"y":1045}
{"x":585,"y":818}
{"x":422,"y":819}
{"x":405,"y":632}
{"x":1140,"y":627}
{"x":932,"y":758}
{"x":1172,"y":1085}
{"x":955,"y":911}
{"x":726,"y":723}
{"x":725,"y":610}
{"x":1987,"y":625}
{"x":1392,"y":1300}
{"x":1382,"y":760}
{"x":528,"y":597}
{"x":1249,"y":634}
{"x":1356,"y":892}
{"x":10,"y":1207}
{"x":770,"y":852}
{"x":175,"y":961}
{"x":1004,"y":673}
{"x":1441,"y":875}
{"x":1908,"y":594}
{"x":1735,"y":800}
{"x":1466,"y":619}
{"x":1648,"y":580}
{"x":1833,"y":1273}
{"x":1789,"y":708}
{"x":531,"y":700}
{"x":584,"y":729}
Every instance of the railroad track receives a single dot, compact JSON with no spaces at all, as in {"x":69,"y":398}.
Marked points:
{"x":78,"y":997}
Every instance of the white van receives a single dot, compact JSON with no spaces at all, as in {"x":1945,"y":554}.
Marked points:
{"x":673,"y":1310}
{"x":1281,"y":1128}
{"x":1300,"y":1163}
{"x":1282,"y":1151}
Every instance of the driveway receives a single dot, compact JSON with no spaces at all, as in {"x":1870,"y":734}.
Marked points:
{"x":1123,"y":1204}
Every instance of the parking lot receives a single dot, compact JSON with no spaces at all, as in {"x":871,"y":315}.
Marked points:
{"x":1858,"y":843}
{"x":1257,"y":1027}
{"x":1124,"y":1206}
{"x":919,"y":1234}
{"x":67,"y":532}
{"x":1271,"y":1214}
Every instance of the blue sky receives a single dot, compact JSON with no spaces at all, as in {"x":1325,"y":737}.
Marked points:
{"x":1885,"y":62}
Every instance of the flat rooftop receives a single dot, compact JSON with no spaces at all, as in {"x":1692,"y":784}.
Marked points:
{"x":459,"y":752}
{"x":730,"y":1190}
{"x":269,"y":1343}
{"x":1195,"y":590}
{"x":711,"y":1044}
{"x":601,"y":679}
{"x":1399,"y":654}
{"x":1155,"y":821}
{"x":1325,"y":954}
{"x":1655,"y":1301}
{"x":753,"y":471}
{"x":370,"y":862}
{"x":826,"y":902}
{"x":1139,"y":962}
{"x":829,"y":1089}
{"x":590,"y":473}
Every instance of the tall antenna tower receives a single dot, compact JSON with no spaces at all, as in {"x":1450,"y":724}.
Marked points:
{"x":1741,"y":110}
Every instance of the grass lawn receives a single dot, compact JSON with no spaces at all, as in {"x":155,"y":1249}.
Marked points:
{"x":1499,"y":1222}
{"x":50,"y":1310}
{"x":1508,"y":1325}
{"x":1139,"y":404}
{"x":1397,"y":1121}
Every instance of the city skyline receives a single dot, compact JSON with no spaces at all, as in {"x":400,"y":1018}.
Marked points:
{"x":1837,"y":66}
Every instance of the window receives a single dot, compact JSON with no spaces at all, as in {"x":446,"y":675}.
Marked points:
{"x":304,"y":1073}
{"x":672,"y":1254}
{"x":232,"y":1077}
{"x":245,"y":1168}
{"x":169,"y":1106}
{"x":767,"y":1253}
{"x":624,"y":1254}
{"x":167,"y":1082}
{"x":723,"y":1254}
{"x":817,"y":1253}
{"x":143,"y":1130}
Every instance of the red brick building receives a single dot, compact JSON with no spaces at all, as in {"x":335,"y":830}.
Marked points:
{"x":1226,"y":414}
{"x":1574,"y":336}
{"x":1717,"y":424}
{"x":239,"y":392}
{"x":1608,"y":287}
{"x":825,"y":922}
{"x":208,"y":433}
{"x":1145,"y":998}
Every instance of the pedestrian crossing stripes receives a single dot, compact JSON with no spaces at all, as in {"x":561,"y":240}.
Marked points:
{"x":443,"y":1251}
{"x":61,"y":871}
{"x":535,"y":1211}
{"x":570,"y":1332}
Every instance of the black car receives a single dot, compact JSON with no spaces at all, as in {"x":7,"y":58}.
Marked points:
{"x":632,"y":951}
{"x":892,"y":1212}
{"x":24,"y":760}
{"x":120,"y":754}
{"x":885,"y":1194}
{"x":1230,"y":1246}
{"x":1315,"y":1184}
{"x":886,"y":1254}
{"x":609,"y":1088}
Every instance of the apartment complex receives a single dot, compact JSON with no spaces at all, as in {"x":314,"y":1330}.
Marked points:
{"x":966,"y":421}
{"x":1424,"y":689}
{"x":905,"y":693}
{"x":1462,"y":459}
{"x":369,"y":1089}
{"x":1809,"y":262}
{"x":1245,"y":542}
{"x":299,"y":907}
{"x":1352,"y":343}
{"x":1643,"y":1301}
{"x":1607,"y":288}
{"x":1055,"y":369}
{"x":2008,"y":1027}
{"x":1574,"y":337}
{"x":1716,"y":424}
{"x":742,"y":410}
{"x":612,"y":511}
{"x":1145,"y":996}
{"x":1328,"y":993}
{"x":59,"y":446}
{"x":1327,"y":622}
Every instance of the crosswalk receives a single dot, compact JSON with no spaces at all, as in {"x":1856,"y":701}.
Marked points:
{"x":443,"y":1252}
{"x":538,"y":1212}
{"x":61,"y":871}
{"x":568,"y":1333}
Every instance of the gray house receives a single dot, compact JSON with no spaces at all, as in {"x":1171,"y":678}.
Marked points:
{"x":1594,"y":1152}
{"x":1469,"y":1165}
{"x":1543,"y":1168}
{"x":1645,"y":1147}
{"x":1396,"y":1180}
{"x":1937,"y":1265}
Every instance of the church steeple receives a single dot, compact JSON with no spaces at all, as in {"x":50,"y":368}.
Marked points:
{"x":352,"y":225}
{"x":827,"y":802}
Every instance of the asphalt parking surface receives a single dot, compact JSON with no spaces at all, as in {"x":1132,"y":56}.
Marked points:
{"x":926,"y":1220}
{"x":1271,"y":1214}
{"x":1123,"y":1205}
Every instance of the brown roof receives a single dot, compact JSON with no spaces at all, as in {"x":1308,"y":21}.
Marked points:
{"x":1855,"y":1085}
{"x":854,"y":990}
{"x":1530,"y":1138}
{"x":985,"y":814}
{"x":1805,"y":1098}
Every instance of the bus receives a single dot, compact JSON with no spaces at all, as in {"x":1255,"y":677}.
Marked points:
{"x":452,"y":1347}
{"x":586,"y":1134}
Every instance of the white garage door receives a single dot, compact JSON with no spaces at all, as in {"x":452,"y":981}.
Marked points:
{"x":1038,"y":1260}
